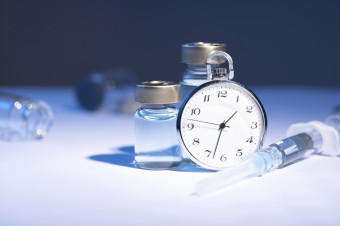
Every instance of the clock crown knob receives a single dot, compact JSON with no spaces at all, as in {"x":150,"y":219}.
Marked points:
{"x":219,"y":72}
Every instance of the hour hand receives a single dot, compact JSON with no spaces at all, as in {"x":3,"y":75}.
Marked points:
{"x":230,"y":117}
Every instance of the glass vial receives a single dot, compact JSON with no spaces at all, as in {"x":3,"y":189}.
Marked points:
{"x":195,"y":56}
{"x":156,"y":143}
{"x":22,"y":118}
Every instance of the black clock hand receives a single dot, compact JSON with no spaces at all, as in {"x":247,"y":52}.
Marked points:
{"x":205,"y":122}
{"x":222,"y":126}
{"x":229,"y":118}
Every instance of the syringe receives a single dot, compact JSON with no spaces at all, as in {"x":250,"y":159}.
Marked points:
{"x":304,"y":139}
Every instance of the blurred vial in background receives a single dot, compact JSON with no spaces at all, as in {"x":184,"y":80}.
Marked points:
{"x":97,"y":91}
{"x":156,"y":142}
{"x":195,"y":56}
{"x":22,"y":118}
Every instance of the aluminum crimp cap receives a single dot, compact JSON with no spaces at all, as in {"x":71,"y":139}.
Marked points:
{"x":157,"y":92}
{"x":197,"y":52}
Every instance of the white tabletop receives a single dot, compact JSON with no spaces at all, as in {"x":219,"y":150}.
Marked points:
{"x":82,"y":173}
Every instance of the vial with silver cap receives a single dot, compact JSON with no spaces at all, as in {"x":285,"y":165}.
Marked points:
{"x":156,"y":143}
{"x":195,"y":56}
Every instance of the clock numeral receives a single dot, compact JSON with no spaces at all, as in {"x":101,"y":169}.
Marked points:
{"x":239,"y":152}
{"x":191,"y":126}
{"x":196,"y":141}
{"x":206,"y":98}
{"x":250,"y":140}
{"x":207,"y":152}
{"x":237,"y":98}
{"x":195,"y":111}
{"x":249,"y":109}
{"x":222,"y":93}
{"x":223,"y":158}
{"x":254,"y":125}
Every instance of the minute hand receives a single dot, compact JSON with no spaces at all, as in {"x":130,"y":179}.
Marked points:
{"x":222,"y":126}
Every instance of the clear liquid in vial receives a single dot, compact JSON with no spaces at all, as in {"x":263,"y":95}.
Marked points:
{"x":156,"y":144}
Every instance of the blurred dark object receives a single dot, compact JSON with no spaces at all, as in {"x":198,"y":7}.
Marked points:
{"x":92,"y":91}
{"x":336,"y":109}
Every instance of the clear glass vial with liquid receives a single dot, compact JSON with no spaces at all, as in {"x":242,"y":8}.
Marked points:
{"x":22,"y":118}
{"x":195,"y":56}
{"x":156,"y":142}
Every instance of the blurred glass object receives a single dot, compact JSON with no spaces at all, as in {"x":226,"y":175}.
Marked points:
{"x":96,"y":90}
{"x":22,"y":118}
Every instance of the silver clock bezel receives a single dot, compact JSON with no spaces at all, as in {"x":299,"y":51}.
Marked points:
{"x":196,"y":90}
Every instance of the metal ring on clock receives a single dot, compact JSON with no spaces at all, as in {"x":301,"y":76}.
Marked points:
{"x":225,"y":55}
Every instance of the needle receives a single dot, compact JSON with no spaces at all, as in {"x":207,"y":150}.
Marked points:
{"x":304,"y":139}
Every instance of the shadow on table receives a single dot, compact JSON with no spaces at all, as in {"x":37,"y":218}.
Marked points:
{"x":126,"y":157}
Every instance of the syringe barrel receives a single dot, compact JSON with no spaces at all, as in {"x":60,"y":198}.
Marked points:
{"x":294,"y":147}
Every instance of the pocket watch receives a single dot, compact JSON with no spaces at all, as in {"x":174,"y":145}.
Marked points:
{"x":221,"y":122}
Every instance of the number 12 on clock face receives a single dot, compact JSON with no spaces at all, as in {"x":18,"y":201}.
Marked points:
{"x":220,"y":124}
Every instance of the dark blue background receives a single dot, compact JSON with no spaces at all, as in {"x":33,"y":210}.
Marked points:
{"x":271,"y":42}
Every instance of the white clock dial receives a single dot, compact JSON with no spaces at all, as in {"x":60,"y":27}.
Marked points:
{"x":220,"y":124}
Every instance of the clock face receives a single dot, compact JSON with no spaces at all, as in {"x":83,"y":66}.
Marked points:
{"x":220,"y":124}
